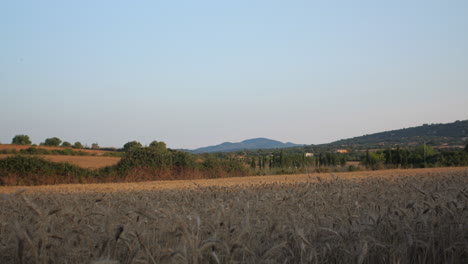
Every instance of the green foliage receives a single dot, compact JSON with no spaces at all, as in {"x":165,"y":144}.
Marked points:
{"x":52,"y":142}
{"x":21,"y":140}
{"x":42,"y":151}
{"x":372,"y":159}
{"x":253,"y":164}
{"x":66,"y":144}
{"x":434,"y":134}
{"x":183,"y":160}
{"x":113,"y":154}
{"x":27,"y":170}
{"x":214,"y":167}
{"x":158,"y":145}
{"x":421,"y":156}
{"x":353,"y":168}
{"x":78,"y":145}
{"x":95,"y":146}
{"x":131,"y":145}
{"x":146,"y":158}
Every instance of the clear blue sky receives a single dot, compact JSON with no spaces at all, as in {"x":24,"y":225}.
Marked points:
{"x":197,"y":73}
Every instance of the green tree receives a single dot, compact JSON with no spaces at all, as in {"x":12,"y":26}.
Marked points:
{"x":388,"y":156}
{"x":78,"y":145}
{"x":95,"y":146}
{"x":282,"y":159}
{"x":466,"y":147}
{"x":425,"y":152}
{"x":158,"y":145}
{"x":66,"y":144}
{"x":253,"y":165}
{"x":398,"y":156}
{"x":132,"y":145}
{"x":21,"y":140}
{"x":52,"y":142}
{"x":372,"y":159}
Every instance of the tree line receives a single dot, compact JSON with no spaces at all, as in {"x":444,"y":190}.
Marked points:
{"x":50,"y":142}
{"x":419,"y":157}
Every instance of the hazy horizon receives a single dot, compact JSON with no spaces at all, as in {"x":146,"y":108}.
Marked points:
{"x":196,"y":74}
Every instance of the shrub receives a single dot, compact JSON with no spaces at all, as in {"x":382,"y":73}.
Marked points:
{"x":131,"y":145}
{"x":146,"y":158}
{"x":352,"y":168}
{"x":78,"y":145}
{"x":66,"y":144}
{"x":25,"y":170}
{"x":21,"y":140}
{"x":158,"y":145}
{"x":52,"y":142}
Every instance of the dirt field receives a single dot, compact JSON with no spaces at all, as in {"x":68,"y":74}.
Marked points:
{"x":91,"y":162}
{"x":397,"y":216}
{"x":19,"y":147}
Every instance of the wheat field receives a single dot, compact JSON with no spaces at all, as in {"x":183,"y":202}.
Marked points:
{"x":397,"y":216}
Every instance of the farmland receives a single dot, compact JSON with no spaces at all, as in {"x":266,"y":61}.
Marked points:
{"x":23,"y":147}
{"x":393,"y":216}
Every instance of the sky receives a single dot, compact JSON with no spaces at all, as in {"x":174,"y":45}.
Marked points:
{"x":198,"y":73}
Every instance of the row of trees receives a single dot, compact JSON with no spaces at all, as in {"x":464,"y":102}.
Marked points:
{"x":129,"y":146}
{"x":50,"y":142}
{"x":422,"y":156}
{"x":57,"y":142}
{"x":157,"y":159}
{"x":284,"y":162}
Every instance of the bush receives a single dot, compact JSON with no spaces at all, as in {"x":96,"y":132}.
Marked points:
{"x":24,"y":170}
{"x":21,"y":140}
{"x":131,"y":145}
{"x":146,"y":158}
{"x":66,"y":144}
{"x":352,"y":168}
{"x":78,"y":145}
{"x":52,"y":142}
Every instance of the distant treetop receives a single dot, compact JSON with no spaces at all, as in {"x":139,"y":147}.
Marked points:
{"x":132,"y":145}
{"x":21,"y":140}
{"x":66,"y":144}
{"x":78,"y":145}
{"x":52,"y":142}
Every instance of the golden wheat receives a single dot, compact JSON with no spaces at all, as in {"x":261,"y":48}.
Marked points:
{"x":421,"y":218}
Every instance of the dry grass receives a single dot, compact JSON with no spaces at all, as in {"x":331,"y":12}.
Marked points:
{"x":88,"y":162}
{"x":399,"y":216}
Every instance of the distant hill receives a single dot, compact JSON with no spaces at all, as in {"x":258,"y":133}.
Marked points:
{"x":250,"y":144}
{"x":450,"y":134}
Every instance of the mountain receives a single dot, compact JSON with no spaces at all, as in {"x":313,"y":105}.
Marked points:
{"x":250,"y":144}
{"x":450,"y":134}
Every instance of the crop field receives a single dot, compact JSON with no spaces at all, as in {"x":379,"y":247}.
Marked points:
{"x":394,"y":216}
{"x":88,"y":162}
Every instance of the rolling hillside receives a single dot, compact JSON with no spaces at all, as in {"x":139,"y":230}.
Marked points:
{"x":250,"y":144}
{"x":450,"y":134}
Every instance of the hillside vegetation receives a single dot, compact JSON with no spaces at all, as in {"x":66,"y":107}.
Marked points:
{"x":455,"y":133}
{"x":250,"y":144}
